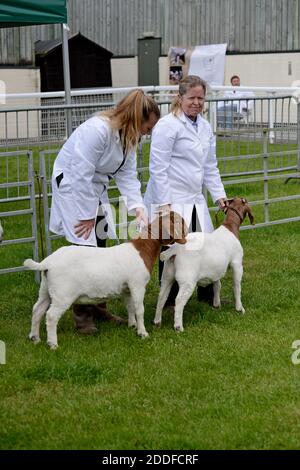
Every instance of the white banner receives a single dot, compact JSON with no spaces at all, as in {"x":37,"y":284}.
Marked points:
{"x":208,"y":62}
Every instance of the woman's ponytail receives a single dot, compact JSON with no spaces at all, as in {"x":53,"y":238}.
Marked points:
{"x":129,"y":115}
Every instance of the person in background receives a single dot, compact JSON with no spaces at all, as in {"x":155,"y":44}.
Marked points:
{"x":183,"y":162}
{"x":243,"y":106}
{"x":102,"y":148}
{"x":234,"y":108}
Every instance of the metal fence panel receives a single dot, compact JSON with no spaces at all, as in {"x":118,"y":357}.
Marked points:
{"x":258,"y":152}
{"x":17,"y":189}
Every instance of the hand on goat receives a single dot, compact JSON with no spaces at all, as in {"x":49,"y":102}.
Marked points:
{"x":141,"y":218}
{"x":222,"y":203}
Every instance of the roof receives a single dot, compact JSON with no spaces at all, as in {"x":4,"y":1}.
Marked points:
{"x":43,"y":48}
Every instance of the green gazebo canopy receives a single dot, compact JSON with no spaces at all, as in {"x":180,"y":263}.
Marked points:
{"x":30,"y":12}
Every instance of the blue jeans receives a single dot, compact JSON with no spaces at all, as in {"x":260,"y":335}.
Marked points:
{"x":225,"y":115}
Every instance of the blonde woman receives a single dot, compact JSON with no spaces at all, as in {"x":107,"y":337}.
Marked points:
{"x":183,"y":161}
{"x":101,"y":148}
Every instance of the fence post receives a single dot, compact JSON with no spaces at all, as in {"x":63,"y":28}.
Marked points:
{"x":43,"y":176}
{"x":213,"y":112}
{"x":271,"y":119}
{"x":67,"y":80}
{"x":298,"y":136}
{"x":33,"y":216}
{"x":2,"y":352}
{"x":266,"y":187}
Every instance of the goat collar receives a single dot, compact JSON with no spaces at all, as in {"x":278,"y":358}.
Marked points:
{"x":234,"y":210}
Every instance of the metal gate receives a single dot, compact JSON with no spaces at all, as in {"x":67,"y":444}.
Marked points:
{"x":17,"y":204}
{"x":257,"y":154}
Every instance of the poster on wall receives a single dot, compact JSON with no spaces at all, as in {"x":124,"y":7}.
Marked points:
{"x":208,"y":62}
{"x":177,"y":61}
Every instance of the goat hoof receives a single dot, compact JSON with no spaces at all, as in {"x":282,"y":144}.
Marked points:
{"x":178,"y":328}
{"x":52,"y":346}
{"x":132,"y":325}
{"x":217,"y":306}
{"x":144,"y":335}
{"x":157,"y":324}
{"x":241,"y":311}
{"x":34,"y":339}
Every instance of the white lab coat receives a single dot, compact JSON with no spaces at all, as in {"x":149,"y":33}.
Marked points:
{"x":182,"y":161}
{"x":242,"y":106}
{"x":88,"y":160}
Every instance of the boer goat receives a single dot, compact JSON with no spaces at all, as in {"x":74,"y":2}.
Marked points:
{"x":204,"y":259}
{"x":84,"y":274}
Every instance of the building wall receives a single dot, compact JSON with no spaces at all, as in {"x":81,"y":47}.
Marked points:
{"x":20,"y":80}
{"x":254,"y":69}
{"x":124,"y":72}
{"x":245,"y":25}
{"x":264,"y":69}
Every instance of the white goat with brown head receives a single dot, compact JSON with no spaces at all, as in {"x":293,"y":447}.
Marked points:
{"x":84,"y":274}
{"x":203,"y":260}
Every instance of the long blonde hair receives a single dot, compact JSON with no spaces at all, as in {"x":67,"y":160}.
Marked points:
{"x":129,"y":115}
{"x":191,"y":81}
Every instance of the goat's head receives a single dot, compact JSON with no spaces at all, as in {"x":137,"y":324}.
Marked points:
{"x":241,"y":207}
{"x":1,"y":232}
{"x":168,"y":227}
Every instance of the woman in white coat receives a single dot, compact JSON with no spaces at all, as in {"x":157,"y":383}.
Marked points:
{"x":183,"y":161}
{"x":102,"y":148}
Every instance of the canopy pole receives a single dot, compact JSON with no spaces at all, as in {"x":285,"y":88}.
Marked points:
{"x":67,"y":81}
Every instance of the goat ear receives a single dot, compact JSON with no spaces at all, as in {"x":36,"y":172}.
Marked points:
{"x":251,"y":216}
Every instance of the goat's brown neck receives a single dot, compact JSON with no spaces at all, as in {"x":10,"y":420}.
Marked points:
{"x":148,"y":249}
{"x":233,"y":222}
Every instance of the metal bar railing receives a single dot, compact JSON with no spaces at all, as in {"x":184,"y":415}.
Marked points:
{"x":248,"y":154}
{"x":29,"y":184}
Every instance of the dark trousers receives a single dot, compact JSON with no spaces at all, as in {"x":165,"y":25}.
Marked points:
{"x":101,"y":242}
{"x":203,"y":293}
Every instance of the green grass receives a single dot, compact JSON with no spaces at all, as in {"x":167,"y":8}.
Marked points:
{"x":227,"y":382}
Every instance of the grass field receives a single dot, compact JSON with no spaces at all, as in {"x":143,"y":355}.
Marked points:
{"x":227,"y":382}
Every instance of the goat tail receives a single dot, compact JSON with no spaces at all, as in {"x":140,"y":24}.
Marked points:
{"x":33,"y":265}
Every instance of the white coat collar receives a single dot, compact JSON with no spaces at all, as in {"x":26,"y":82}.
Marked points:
{"x":184,"y":118}
{"x":187,"y":123}
{"x":115,"y":132}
